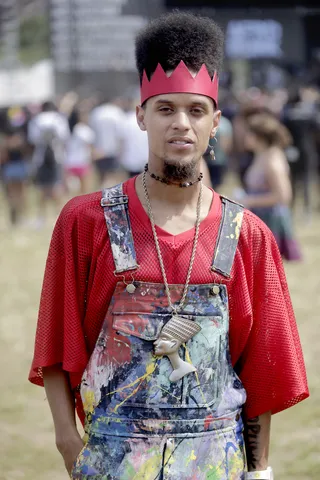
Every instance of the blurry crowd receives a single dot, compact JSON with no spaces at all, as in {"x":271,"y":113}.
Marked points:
{"x":77,"y":145}
{"x":66,"y":148}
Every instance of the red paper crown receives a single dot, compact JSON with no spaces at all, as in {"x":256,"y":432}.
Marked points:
{"x":180,"y":81}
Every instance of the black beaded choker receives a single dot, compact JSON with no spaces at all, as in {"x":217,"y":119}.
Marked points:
{"x":167,"y":182}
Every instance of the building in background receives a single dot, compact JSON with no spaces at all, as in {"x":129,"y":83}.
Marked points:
{"x":53,"y":46}
{"x":92,"y":43}
{"x":26,"y":70}
{"x":265,"y":47}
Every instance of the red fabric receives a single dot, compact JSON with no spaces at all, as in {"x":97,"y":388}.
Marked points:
{"x":180,"y":80}
{"x":78,"y":171}
{"x":79,"y":283}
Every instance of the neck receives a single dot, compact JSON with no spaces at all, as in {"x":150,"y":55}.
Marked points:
{"x":172,"y":192}
{"x":175,"y":360}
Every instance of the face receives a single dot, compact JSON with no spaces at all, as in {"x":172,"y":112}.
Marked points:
{"x":165,"y":345}
{"x":179,"y":126}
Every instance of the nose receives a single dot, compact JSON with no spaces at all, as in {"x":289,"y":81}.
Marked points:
{"x":181,"y":121}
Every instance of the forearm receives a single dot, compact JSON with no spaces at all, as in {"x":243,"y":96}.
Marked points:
{"x":257,"y":439}
{"x":61,"y":403}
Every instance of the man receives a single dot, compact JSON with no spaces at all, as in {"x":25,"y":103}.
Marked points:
{"x":49,"y":133}
{"x":106,"y":120}
{"x":139,"y":288}
{"x":135,"y":148}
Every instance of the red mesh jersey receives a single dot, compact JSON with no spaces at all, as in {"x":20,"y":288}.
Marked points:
{"x":79,"y":283}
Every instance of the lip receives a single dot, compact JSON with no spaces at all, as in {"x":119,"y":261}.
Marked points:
{"x":187,"y":140}
{"x":181,"y":146}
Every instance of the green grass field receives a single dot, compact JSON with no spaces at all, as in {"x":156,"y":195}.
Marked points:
{"x":27,"y":447}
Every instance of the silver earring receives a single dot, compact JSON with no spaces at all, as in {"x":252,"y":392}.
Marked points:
{"x":212,"y":154}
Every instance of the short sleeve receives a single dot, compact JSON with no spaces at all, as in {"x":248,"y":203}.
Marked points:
{"x":272,"y":367}
{"x":59,"y":334}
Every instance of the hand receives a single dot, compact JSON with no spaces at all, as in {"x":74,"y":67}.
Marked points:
{"x":70,"y":451}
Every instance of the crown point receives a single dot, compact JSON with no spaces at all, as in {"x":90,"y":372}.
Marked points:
{"x":181,"y":80}
{"x":145,"y":77}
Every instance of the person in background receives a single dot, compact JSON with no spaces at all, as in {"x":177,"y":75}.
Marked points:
{"x":48,"y":132}
{"x":135,"y":149}
{"x":79,"y":154}
{"x":68,"y":106}
{"x":242,"y":157}
{"x":300,"y":117}
{"x":107,"y":121}
{"x":15,"y":172}
{"x":267,"y":180}
{"x":222,"y":146}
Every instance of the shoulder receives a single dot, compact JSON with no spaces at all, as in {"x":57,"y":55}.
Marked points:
{"x":253,"y":229}
{"x":82,"y":207}
{"x":254,"y":232}
{"x":258,"y":248}
{"x":81,"y":230}
{"x":87,"y":208}
{"x":49,"y":117}
{"x":38,"y":119}
{"x":277,"y":161}
{"x":80,"y":227}
{"x":83,"y":131}
{"x":253,"y":225}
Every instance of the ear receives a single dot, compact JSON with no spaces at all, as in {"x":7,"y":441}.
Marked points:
{"x":215,"y":123}
{"x":140,"y":113}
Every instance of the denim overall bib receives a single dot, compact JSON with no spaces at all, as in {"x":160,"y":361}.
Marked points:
{"x":139,"y":424}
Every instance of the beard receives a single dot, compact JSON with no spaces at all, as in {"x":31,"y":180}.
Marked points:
{"x":180,"y":171}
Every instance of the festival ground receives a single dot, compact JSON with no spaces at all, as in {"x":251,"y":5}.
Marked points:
{"x":27,"y":448}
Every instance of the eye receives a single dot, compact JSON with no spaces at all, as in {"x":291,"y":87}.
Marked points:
{"x":165,"y":109}
{"x":197,"y":111}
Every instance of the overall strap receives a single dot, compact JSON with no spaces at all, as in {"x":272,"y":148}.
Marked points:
{"x":116,"y":214}
{"x":228,"y":237}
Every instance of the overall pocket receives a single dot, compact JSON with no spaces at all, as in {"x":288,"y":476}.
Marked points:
{"x":144,"y":381}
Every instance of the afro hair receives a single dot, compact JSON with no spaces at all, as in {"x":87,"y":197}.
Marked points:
{"x":179,"y":36}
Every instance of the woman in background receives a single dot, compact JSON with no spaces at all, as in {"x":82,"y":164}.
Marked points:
{"x":78,"y":159}
{"x":267,"y":180}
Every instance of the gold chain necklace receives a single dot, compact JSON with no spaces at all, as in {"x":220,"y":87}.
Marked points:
{"x":155,"y":236}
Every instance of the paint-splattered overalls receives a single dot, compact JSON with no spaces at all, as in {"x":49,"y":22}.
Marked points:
{"x":140,"y":425}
